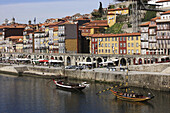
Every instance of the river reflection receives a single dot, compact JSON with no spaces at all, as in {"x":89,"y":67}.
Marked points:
{"x":34,"y":95}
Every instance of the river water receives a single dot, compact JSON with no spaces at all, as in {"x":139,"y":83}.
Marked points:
{"x":35,"y":95}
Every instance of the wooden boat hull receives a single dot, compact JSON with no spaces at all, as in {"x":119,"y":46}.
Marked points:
{"x":68,"y":87}
{"x":130,"y":98}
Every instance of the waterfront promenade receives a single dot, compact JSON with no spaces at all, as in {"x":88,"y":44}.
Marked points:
{"x":152,"y":80}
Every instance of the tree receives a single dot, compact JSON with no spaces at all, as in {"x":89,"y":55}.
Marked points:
{"x":100,"y":10}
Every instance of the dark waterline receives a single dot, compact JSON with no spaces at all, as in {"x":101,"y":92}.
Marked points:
{"x":34,"y":95}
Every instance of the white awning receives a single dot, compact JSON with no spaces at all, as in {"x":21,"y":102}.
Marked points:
{"x":23,"y":59}
{"x":86,"y":62}
{"x":115,"y":60}
{"x":57,"y":61}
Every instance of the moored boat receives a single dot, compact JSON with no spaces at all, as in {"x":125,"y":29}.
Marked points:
{"x":131,"y":96}
{"x":69,"y":86}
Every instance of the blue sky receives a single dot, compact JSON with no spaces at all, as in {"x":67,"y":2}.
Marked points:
{"x":24,"y":10}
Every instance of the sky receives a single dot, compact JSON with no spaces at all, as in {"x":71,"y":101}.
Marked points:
{"x":24,"y":10}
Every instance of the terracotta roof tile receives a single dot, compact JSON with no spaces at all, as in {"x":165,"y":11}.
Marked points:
{"x":115,"y":35}
{"x":145,"y":24}
{"x":118,"y":9}
{"x":154,"y":19}
{"x":167,"y":12}
{"x":162,"y":1}
{"x":15,"y":37}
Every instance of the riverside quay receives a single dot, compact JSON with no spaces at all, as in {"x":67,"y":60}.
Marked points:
{"x":96,"y":60}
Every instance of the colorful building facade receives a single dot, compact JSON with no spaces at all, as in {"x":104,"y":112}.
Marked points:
{"x":112,"y":13}
{"x":127,"y":43}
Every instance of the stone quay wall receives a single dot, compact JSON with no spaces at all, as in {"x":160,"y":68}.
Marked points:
{"x":156,"y":81}
{"x":149,"y":67}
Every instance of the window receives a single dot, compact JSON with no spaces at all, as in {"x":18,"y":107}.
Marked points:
{"x":109,"y":51}
{"x":112,"y":44}
{"x":108,"y":39}
{"x":102,"y":50}
{"x":120,"y":38}
{"x":136,"y":37}
{"x":124,"y":38}
{"x":92,"y":39}
{"x":128,"y":44}
{"x":129,"y":38}
{"x":137,"y":45}
{"x":108,"y":45}
{"x":105,"y":50}
{"x":99,"y":50}
{"x":132,"y":37}
{"x":124,"y":51}
{"x":129,"y":51}
{"x":124,"y":45}
{"x":105,"y":45}
{"x":132,"y":44}
{"x":102,"y":45}
{"x":116,"y":39}
{"x":112,"y":39}
{"x":120,"y":44}
{"x":121,"y":51}
{"x":137,"y":51}
{"x":116,"y":45}
{"x":132,"y":52}
{"x":116,"y":51}
{"x":105,"y":39}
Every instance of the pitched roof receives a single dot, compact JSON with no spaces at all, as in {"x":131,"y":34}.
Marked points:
{"x":154,"y":19}
{"x":167,"y":12}
{"x":145,"y":24}
{"x":115,"y":35}
{"x":160,"y":1}
{"x":117,"y":9}
{"x":15,"y":37}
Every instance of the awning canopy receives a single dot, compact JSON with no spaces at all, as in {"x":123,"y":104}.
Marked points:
{"x":55,"y":61}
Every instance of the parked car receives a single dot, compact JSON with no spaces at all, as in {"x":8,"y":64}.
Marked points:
{"x":70,"y":67}
{"x":79,"y":67}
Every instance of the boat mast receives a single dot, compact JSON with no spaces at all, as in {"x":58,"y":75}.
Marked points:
{"x":126,"y":77}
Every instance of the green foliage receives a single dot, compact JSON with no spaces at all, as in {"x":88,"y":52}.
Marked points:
{"x":99,"y":13}
{"x":149,"y":15}
{"x":115,"y":29}
{"x":111,"y":7}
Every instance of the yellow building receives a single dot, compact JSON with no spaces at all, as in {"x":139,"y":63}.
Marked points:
{"x":134,"y":44}
{"x":112,"y":13}
{"x":126,"y":43}
{"x":93,"y":27}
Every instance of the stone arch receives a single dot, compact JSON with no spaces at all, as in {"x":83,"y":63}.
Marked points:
{"x":29,"y":56}
{"x":52,"y":57}
{"x":40,"y":57}
{"x":99,"y":60}
{"x":68,"y":61}
{"x":129,"y":61}
{"x":88,"y":59}
{"x":123,"y":61}
{"x":61,"y":58}
{"x":47,"y":57}
{"x":56,"y":58}
{"x":140,"y":61}
{"x":135,"y":61}
{"x":116,"y":62}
